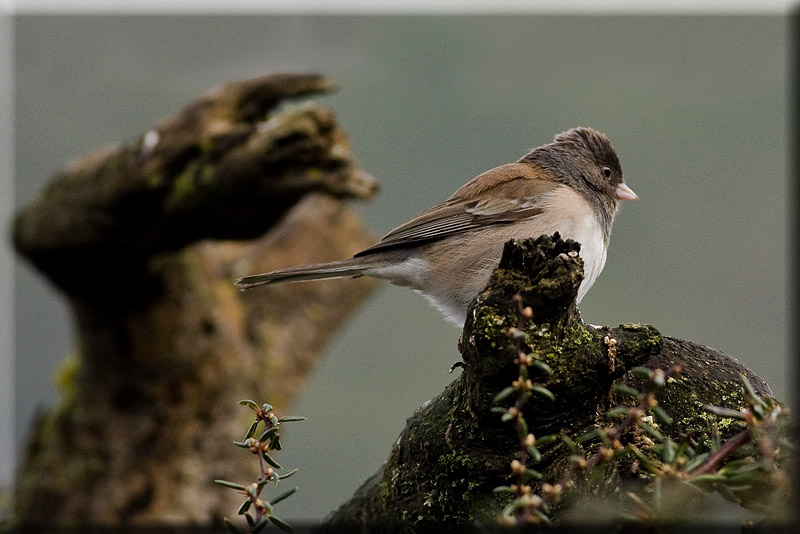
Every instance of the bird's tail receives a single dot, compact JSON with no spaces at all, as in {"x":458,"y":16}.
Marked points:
{"x":334,"y":269}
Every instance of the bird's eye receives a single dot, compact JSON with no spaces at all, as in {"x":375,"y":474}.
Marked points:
{"x":607,"y":171}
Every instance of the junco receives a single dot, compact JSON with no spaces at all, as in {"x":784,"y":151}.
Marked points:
{"x":572,"y":186}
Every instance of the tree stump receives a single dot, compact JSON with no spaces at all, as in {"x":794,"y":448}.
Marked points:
{"x":145,"y":239}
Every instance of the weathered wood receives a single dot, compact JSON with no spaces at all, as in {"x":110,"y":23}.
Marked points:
{"x":139,"y":238}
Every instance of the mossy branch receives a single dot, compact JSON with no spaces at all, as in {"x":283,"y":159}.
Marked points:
{"x":456,"y":450}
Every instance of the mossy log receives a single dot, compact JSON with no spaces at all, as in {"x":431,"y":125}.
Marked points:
{"x":454,"y":451}
{"x":145,"y":239}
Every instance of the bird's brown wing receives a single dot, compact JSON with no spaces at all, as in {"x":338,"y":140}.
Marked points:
{"x":500,"y":196}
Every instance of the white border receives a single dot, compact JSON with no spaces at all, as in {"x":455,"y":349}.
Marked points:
{"x":7,"y":400}
{"x":398,"y":6}
{"x":289,"y":7}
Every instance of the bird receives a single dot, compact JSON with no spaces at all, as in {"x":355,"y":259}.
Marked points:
{"x":572,"y":185}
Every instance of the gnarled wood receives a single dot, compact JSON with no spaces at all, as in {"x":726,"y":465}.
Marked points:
{"x":139,"y":237}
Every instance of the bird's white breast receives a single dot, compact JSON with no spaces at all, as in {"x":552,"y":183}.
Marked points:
{"x":574,"y":218}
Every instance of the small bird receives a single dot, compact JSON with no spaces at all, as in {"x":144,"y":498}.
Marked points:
{"x":571,"y":186}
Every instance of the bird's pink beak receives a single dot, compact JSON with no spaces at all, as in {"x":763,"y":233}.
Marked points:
{"x":626,"y":193}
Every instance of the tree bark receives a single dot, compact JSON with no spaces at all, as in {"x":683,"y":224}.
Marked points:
{"x":454,"y":451}
{"x":145,"y":239}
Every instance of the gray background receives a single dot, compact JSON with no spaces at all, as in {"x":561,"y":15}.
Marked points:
{"x":695,"y":106}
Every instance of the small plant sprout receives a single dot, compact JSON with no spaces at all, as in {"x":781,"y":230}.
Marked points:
{"x":257,"y":510}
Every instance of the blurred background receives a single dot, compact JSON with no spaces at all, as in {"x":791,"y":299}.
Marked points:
{"x":696,"y":107}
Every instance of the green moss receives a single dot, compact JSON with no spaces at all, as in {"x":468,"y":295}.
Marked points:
{"x":113,"y":163}
{"x":314,"y":312}
{"x":384,"y":495}
{"x":454,"y":462}
{"x":206,"y":174}
{"x":184,"y":184}
{"x":205,"y":144}
{"x":644,"y":344}
{"x":66,"y":376}
{"x":154,"y":180}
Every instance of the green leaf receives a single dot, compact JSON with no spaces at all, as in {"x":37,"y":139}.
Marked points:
{"x":250,"y":520}
{"x":513,"y":506}
{"x":503,"y":395}
{"x":543,"y":517}
{"x":281,"y":524}
{"x":531,"y":474}
{"x":720,"y":411}
{"x":543,"y":392}
{"x":748,"y":386}
{"x":268,"y":433}
{"x":243,"y":444}
{"x":593,"y":433}
{"x":723,"y":490}
{"x":576,"y":458}
{"x":619,"y":453}
{"x":291,"y":418}
{"x":522,"y":428}
{"x":260,"y":525}
{"x":748,"y":478}
{"x":284,"y":495}
{"x":227,"y":484}
{"x":523,"y":373}
{"x":266,"y":407}
{"x":662,"y":415}
{"x":251,"y":431}
{"x":684,"y":449}
{"x":535,"y":455}
{"x":646,"y":462}
{"x":287,"y":475}
{"x":650,"y":429}
{"x":642,"y":372}
{"x":498,"y":409}
{"x":271,"y":461}
{"x":668,"y":451}
{"x":546,"y":369}
{"x":597,"y":474}
{"x":617,"y":411}
{"x":249,"y":404}
{"x":709,"y":477}
{"x":502,"y":489}
{"x":696,"y":462}
{"x":244,"y":507}
{"x":546,"y":440}
{"x":625,"y":390}
{"x":569,"y":443}
{"x":233,"y":528}
{"x":740,"y":465}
